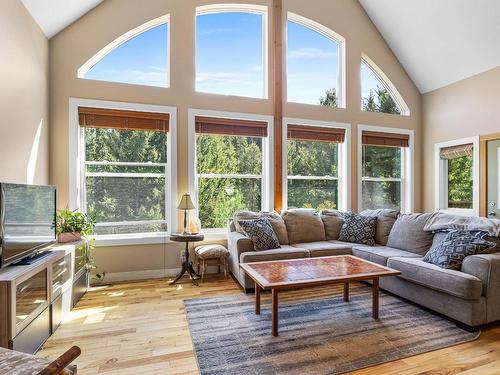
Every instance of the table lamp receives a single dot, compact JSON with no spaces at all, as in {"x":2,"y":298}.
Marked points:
{"x":186,"y":204}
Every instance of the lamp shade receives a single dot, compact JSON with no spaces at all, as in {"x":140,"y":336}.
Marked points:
{"x":186,"y":203}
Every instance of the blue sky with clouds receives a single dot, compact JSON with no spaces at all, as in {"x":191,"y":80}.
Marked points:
{"x":230,"y":59}
{"x":312,"y":64}
{"x":141,"y":60}
{"x":229,"y":54}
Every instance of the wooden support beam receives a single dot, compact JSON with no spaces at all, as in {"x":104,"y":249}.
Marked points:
{"x":278,"y":103}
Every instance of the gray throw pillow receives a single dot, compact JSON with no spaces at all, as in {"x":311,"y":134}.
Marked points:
{"x":358,"y":229}
{"x":261,"y":233}
{"x":386,"y":218}
{"x":456,"y":246}
{"x":408,"y":233}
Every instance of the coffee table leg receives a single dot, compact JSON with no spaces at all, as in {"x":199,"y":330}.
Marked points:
{"x":346,"y":292}
{"x":275,"y":311}
{"x":257,"y":299}
{"x":375,"y":297}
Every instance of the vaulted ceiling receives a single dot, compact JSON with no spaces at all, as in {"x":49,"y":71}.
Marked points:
{"x":55,"y":15}
{"x":438,"y":42}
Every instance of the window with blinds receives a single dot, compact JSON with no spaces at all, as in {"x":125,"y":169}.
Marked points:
{"x":125,"y":176}
{"x":313,"y":166}
{"x":382,"y":169}
{"x":229,"y":168}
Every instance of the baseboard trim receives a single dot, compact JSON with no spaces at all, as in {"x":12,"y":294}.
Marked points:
{"x":140,"y":275}
{"x":147,"y":274}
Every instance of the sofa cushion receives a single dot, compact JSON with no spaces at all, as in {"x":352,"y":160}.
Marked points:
{"x":285,"y":252}
{"x":358,"y":229}
{"x":274,"y":218}
{"x":386,"y":218}
{"x":453,"y":282}
{"x":324,"y":248}
{"x":333,"y":225}
{"x":457,"y":245}
{"x":261,"y":233}
{"x":304,"y":225}
{"x":380,"y":254}
{"x":408,"y":233}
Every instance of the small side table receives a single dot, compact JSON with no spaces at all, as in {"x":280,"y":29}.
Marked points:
{"x":187,"y":265}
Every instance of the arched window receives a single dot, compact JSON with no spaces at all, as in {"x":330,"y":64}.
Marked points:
{"x":378,"y":94}
{"x":139,"y":57}
{"x":231,"y":50}
{"x":315,"y":63}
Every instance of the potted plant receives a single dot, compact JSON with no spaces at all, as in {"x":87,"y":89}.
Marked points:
{"x":72,"y":225}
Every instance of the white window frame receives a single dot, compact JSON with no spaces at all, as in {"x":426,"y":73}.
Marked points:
{"x":344,"y":161}
{"x":386,"y":84}
{"x":77,"y":169}
{"x":267,"y":161}
{"x":441,"y":178}
{"x":328,"y":33}
{"x":240,"y":8}
{"x":165,"y":19}
{"x":407,"y":166}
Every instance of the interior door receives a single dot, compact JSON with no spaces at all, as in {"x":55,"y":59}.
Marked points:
{"x":493,"y":194}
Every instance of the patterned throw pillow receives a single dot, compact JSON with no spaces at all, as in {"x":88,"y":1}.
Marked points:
{"x":456,"y":246}
{"x":261,"y":233}
{"x":359,"y":229}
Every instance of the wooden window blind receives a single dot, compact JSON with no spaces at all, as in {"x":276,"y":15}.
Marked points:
{"x":315,"y":133}
{"x":123,"y":119}
{"x":453,"y":152}
{"x":385,"y":139}
{"x":223,"y":126}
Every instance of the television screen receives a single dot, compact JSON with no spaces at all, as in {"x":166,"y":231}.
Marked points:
{"x":27,"y":215}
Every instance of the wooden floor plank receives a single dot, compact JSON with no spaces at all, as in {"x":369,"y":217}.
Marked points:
{"x":141,"y":328}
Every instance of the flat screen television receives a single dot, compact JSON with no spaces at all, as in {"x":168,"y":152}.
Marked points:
{"x":27,"y":217}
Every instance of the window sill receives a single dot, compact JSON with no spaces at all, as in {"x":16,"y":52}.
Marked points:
{"x":215,"y":234}
{"x":131,"y":239}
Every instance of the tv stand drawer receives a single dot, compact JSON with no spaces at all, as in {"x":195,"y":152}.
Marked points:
{"x":30,"y":339}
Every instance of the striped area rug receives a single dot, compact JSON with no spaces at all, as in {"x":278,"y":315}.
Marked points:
{"x":326,"y":336}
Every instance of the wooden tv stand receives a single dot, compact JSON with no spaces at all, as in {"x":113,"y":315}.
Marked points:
{"x":34,"y":297}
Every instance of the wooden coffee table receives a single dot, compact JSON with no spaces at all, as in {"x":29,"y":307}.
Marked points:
{"x":289,"y":274}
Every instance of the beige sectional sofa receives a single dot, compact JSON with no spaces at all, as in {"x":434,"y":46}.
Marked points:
{"x":470,"y":296}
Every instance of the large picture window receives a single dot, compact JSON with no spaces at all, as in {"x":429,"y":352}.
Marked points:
{"x":231,"y":50}
{"x":385,"y":177}
{"x":314,"y":63}
{"x":456,"y":175}
{"x":125,"y":181}
{"x":230,"y":173}
{"x":313,"y":166}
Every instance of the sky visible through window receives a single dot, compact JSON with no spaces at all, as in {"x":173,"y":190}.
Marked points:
{"x":141,"y":60}
{"x":229,"y":54}
{"x":312,"y":64}
{"x":369,"y":81}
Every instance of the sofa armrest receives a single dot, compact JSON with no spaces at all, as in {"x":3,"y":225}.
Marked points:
{"x":485,"y":267}
{"x":239,"y":243}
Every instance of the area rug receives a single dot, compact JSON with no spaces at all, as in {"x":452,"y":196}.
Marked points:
{"x":325,"y":336}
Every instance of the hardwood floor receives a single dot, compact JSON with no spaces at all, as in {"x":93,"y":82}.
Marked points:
{"x":141,"y":328}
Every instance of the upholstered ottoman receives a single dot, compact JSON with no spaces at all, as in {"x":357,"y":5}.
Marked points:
{"x":216,"y":255}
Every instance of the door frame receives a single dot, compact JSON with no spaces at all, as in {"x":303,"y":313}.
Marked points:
{"x":483,"y":171}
